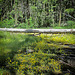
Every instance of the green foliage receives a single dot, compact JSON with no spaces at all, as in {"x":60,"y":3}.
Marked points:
{"x":4,"y":72}
{"x":21,"y":25}
{"x":30,"y":23}
{"x":55,"y":25}
{"x":43,"y":60}
{"x":7,"y":23}
{"x":10,"y":43}
{"x":36,"y":63}
{"x":63,"y":38}
{"x":0,"y":0}
{"x":70,"y":10}
{"x":35,"y":13}
{"x":68,"y":25}
{"x":6,"y":47}
{"x":71,"y":24}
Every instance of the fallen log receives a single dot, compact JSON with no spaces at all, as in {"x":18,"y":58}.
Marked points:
{"x":67,"y":64}
{"x":39,"y":30}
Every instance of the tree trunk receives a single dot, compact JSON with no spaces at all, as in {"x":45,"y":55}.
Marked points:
{"x":28,"y":12}
{"x":60,"y":13}
{"x":38,"y":30}
{"x":60,"y":18}
{"x":15,"y":8}
{"x":11,"y":2}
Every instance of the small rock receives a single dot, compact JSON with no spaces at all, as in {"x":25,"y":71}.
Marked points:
{"x":29,"y":51}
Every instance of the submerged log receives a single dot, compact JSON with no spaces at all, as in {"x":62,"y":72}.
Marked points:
{"x":39,"y":30}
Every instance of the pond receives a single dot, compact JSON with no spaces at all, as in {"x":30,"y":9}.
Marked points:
{"x":44,"y":54}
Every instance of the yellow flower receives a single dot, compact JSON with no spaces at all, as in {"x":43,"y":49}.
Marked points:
{"x":10,"y":60}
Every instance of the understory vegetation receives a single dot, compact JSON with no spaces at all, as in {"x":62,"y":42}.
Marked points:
{"x":37,"y":14}
{"x":10,"y":24}
{"x":16,"y":59}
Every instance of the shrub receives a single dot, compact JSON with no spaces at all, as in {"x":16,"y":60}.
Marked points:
{"x":21,"y":25}
{"x":7,"y":23}
{"x":71,"y":24}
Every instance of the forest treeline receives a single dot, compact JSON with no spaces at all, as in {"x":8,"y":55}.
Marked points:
{"x":37,"y":13}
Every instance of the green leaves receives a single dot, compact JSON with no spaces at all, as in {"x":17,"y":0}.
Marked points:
{"x":7,"y":23}
{"x":1,"y":0}
{"x":35,"y":13}
{"x":70,"y":10}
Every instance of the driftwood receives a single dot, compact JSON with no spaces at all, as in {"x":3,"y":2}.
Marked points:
{"x":39,"y":30}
